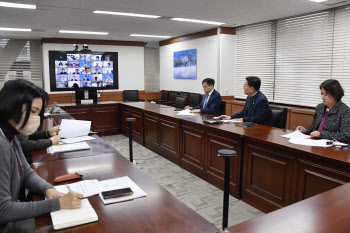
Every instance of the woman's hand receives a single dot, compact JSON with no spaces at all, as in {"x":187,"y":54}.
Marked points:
{"x":53,"y":193}
{"x":71,"y":200}
{"x":55,"y":140}
{"x":54,"y":130}
{"x":315,"y":134}
{"x":224,"y":117}
{"x":301,"y":129}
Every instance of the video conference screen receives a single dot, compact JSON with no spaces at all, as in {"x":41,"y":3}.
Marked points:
{"x":83,"y":69}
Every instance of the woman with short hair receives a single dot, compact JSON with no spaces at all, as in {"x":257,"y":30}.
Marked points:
{"x":332,"y":117}
{"x":22,"y":106}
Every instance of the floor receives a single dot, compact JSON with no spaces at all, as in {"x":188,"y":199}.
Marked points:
{"x":196,"y":193}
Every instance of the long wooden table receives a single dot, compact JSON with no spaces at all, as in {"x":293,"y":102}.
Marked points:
{"x":268,"y":173}
{"x":159,"y":211}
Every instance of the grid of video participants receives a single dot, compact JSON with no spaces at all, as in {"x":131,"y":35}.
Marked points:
{"x":84,"y":70}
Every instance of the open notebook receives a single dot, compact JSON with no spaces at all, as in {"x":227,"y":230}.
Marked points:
{"x":74,"y":217}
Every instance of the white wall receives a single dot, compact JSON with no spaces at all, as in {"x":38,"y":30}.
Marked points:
{"x":130,"y":62}
{"x":227,"y":63}
{"x":207,"y":56}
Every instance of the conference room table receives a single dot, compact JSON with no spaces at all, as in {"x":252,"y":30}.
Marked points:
{"x":159,"y":211}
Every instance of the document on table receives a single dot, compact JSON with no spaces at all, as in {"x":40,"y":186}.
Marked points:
{"x":86,"y":187}
{"x":77,"y":139}
{"x":186,"y":112}
{"x":119,"y":183}
{"x":68,"y":147}
{"x":73,"y":217}
{"x":232,"y":121}
{"x":309,"y":142}
{"x":74,"y":128}
{"x":296,"y":134}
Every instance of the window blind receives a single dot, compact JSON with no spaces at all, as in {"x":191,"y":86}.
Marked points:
{"x":303,"y":57}
{"x":255,"y":48}
{"x":20,"y":59}
{"x":341,"y":51}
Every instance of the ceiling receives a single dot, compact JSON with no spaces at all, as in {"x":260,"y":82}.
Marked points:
{"x":54,"y":15}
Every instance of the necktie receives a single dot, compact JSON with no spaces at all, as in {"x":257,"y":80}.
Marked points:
{"x":205,"y":101}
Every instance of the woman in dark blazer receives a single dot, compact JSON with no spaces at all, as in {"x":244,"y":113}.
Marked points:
{"x":332,"y":117}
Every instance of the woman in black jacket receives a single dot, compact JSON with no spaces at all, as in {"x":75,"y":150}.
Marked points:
{"x":332,"y":117}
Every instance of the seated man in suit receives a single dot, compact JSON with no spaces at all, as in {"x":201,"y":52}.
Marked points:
{"x":256,"y":108}
{"x":211,"y":102}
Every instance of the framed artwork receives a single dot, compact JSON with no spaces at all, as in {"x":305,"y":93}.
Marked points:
{"x":185,"y":64}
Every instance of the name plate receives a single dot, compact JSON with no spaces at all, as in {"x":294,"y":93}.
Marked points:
{"x":89,"y":101}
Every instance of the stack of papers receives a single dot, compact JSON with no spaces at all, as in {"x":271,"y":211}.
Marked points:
{"x":186,"y":112}
{"x":86,"y":187}
{"x":74,"y":128}
{"x":296,"y":134}
{"x":309,"y":142}
{"x":74,"y":217}
{"x":68,"y":147}
{"x":77,"y":139}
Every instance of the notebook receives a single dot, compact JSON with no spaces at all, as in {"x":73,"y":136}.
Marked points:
{"x":74,"y":217}
{"x":68,"y":147}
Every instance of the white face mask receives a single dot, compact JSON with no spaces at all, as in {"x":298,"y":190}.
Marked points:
{"x":32,"y":125}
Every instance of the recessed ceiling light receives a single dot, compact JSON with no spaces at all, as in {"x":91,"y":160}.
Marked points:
{"x":126,"y":14}
{"x":141,"y":35}
{"x":16,"y":29}
{"x":198,"y":21}
{"x":83,"y":32}
{"x":318,"y":0}
{"x":17,"y":5}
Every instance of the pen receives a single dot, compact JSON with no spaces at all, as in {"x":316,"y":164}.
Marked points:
{"x":301,"y":128}
{"x":68,"y":188}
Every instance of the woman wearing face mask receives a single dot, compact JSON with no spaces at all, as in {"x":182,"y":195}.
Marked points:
{"x":332,"y":117}
{"x":21,"y":109}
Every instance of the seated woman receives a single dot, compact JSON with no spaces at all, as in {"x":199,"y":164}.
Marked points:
{"x":21,"y":110}
{"x":332,"y":117}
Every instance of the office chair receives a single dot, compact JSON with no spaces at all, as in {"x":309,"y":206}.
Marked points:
{"x":194,"y":99}
{"x":180,"y":102}
{"x":172,"y":98}
{"x":279,"y":116}
{"x":184,"y":94}
{"x":223,"y":107}
{"x":164,"y":97}
{"x":131,"y":95}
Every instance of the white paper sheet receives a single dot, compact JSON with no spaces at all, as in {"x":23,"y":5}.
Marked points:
{"x":296,"y":134}
{"x":119,"y":183}
{"x":186,"y":112}
{"x":74,"y":128}
{"x":77,"y":139}
{"x":309,"y":142}
{"x":68,"y":147}
{"x":86,"y":187}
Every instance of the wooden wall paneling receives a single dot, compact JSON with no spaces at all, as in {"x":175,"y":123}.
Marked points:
{"x":192,"y":146}
{"x":236,"y":107}
{"x":106,"y":120}
{"x":228,"y":108}
{"x":124,"y":113}
{"x":300,"y":117}
{"x":148,"y":96}
{"x":79,"y":113}
{"x":62,"y":98}
{"x":215,"y":165}
{"x":169,"y":138}
{"x":313,"y":178}
{"x":137,"y":126}
{"x":267,"y":176}
{"x":151,"y":131}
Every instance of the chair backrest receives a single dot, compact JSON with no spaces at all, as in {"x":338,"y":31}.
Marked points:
{"x":183,"y":94}
{"x":131,"y":95}
{"x":164,"y":95}
{"x":279,"y":116}
{"x":223,"y":107}
{"x":194,"y":99}
{"x":173,"y":95}
{"x":180,"y":102}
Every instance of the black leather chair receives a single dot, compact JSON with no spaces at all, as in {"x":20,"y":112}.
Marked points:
{"x":223,"y":107}
{"x":131,"y":95}
{"x":164,"y":97}
{"x":184,"y":94}
{"x":194,"y":99}
{"x":172,"y":98}
{"x":279,"y":116}
{"x":180,"y":102}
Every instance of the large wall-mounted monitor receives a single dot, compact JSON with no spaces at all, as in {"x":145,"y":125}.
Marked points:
{"x":83,"y":69}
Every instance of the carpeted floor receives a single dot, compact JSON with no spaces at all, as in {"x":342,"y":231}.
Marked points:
{"x":196,"y":193}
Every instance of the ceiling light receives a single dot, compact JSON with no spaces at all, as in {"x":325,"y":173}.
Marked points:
{"x":83,"y":32}
{"x":126,"y":14}
{"x":16,"y":29}
{"x":140,"y":35}
{"x":197,"y":21}
{"x":17,"y":5}
{"x":318,"y":0}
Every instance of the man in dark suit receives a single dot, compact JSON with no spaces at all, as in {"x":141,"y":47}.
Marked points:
{"x":256,"y":108}
{"x":211,"y":102}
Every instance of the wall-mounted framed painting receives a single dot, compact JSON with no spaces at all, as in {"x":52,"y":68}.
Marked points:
{"x":185,"y":64}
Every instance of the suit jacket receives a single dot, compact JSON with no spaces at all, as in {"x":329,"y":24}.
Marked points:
{"x":337,"y":125}
{"x":213,"y":106}
{"x":256,"y":109}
